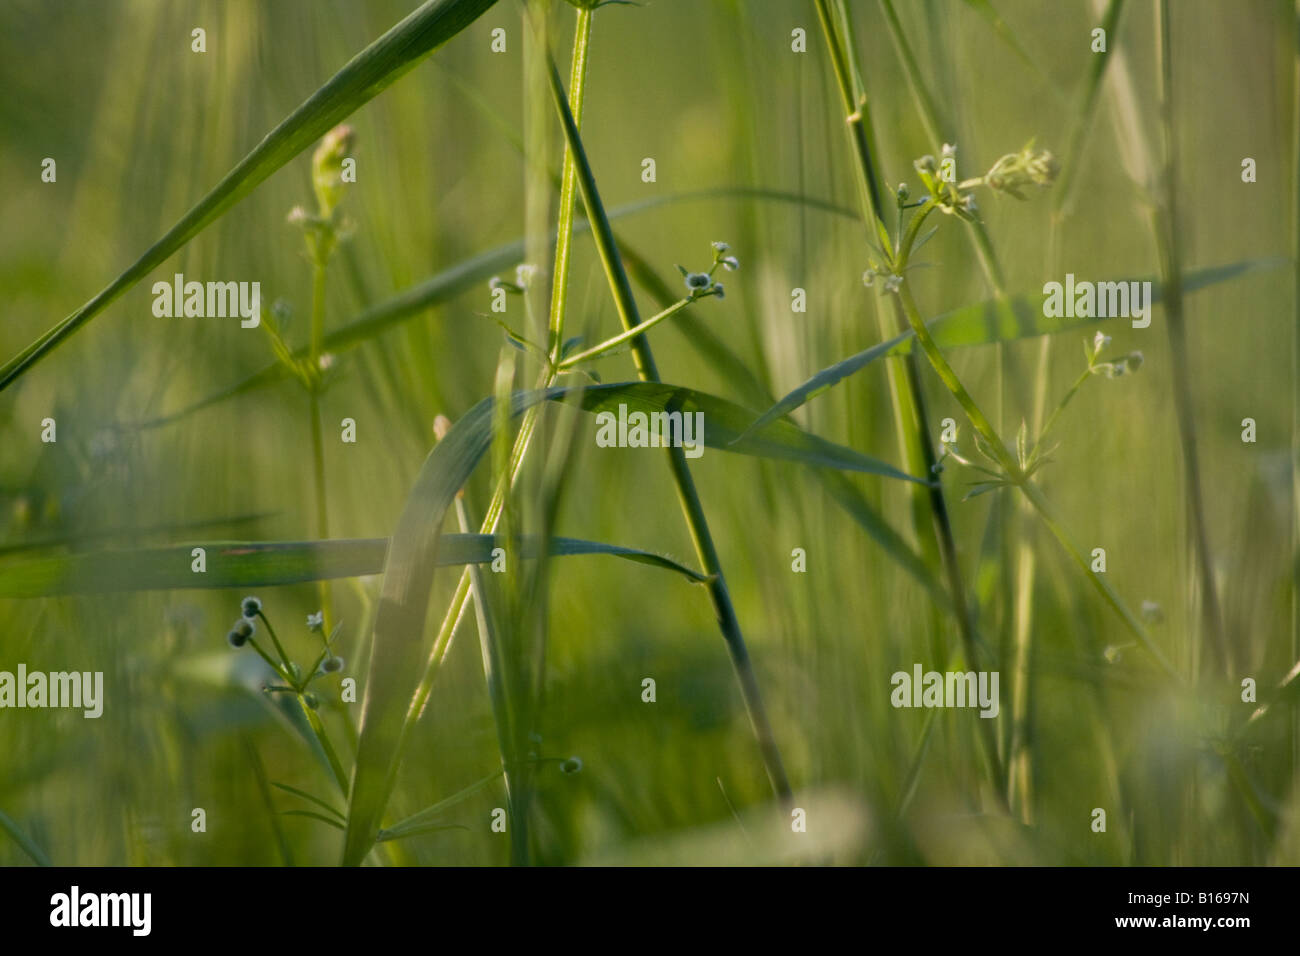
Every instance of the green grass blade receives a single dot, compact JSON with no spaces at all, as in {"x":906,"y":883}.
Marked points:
{"x":726,"y":426}
{"x":314,"y":815}
{"x":399,"y":645}
{"x":308,"y":797}
{"x":364,"y":76}
{"x":28,"y":846}
{"x":430,"y":814}
{"x":984,"y":323}
{"x":269,"y":563}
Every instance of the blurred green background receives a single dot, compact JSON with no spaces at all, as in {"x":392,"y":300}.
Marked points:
{"x":141,"y":127}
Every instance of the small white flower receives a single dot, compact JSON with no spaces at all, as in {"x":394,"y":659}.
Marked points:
{"x":949,"y":151}
{"x":720,"y":246}
{"x":316,"y":622}
{"x":326,"y":361}
{"x":730,"y":263}
{"x":968,"y":204}
{"x":717,"y":290}
{"x":892,"y":283}
{"x":524,"y":273}
{"x":869,"y":277}
{"x":1099,"y":342}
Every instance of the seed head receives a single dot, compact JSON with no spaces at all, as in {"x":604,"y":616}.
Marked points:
{"x":717,"y":290}
{"x":311,"y":700}
{"x":696,"y":281}
{"x":241,"y":632}
{"x":251,"y":606}
{"x":332,"y":665}
{"x":730,"y":263}
{"x":903,"y":192}
{"x":572,"y":765}
{"x":925,"y":164}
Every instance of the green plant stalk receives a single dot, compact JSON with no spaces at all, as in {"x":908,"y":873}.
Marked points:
{"x":692,"y":508}
{"x":527,"y":428}
{"x":1165,"y":213}
{"x":904,"y":374}
{"x":317,"y":433}
{"x":317,"y":728}
{"x":901,"y":371}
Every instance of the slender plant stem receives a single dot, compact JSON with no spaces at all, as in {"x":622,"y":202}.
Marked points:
{"x":317,"y":434}
{"x":1167,"y":241}
{"x":692,"y":508}
{"x":627,"y":335}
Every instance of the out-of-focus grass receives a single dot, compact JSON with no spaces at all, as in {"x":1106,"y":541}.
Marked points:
{"x":141,"y":127}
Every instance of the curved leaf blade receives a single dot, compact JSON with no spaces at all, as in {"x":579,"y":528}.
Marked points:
{"x":271,"y":563}
{"x":362,"y":78}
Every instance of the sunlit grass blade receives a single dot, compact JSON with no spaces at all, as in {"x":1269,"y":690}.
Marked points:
{"x":269,"y":563}
{"x":364,"y":76}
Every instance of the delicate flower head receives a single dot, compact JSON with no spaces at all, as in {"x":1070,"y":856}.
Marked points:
{"x":730,"y":263}
{"x":1030,"y":166}
{"x":969,"y":205}
{"x":720,"y":246}
{"x":893,"y":283}
{"x":1099,"y":342}
{"x":718,"y":290}
{"x":316,"y":622}
{"x":869,"y":278}
{"x":696,"y":281}
{"x":903,"y":192}
{"x":524,"y":273}
{"x":251,"y":606}
{"x":325,"y":361}
{"x":297,"y":216}
{"x":949,"y":151}
{"x":925,"y":164}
